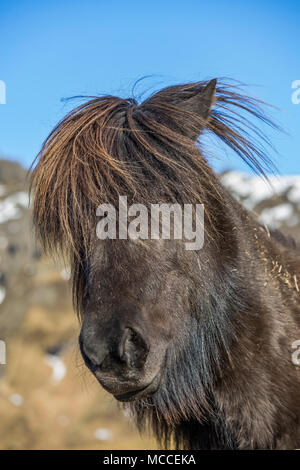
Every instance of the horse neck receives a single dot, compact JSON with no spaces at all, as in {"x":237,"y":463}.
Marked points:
{"x":263,"y":311}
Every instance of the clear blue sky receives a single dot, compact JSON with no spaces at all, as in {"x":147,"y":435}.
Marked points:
{"x":51,"y":50}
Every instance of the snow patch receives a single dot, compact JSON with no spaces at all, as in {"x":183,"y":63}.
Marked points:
{"x":58,"y":368}
{"x":16,"y":399}
{"x":10,"y":206}
{"x":252,"y":190}
{"x":274,"y":216}
{"x":65,"y":274}
{"x":103,"y":434}
{"x":2,"y":294}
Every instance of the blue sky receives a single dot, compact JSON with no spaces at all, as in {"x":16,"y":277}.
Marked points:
{"x":54,"y":50}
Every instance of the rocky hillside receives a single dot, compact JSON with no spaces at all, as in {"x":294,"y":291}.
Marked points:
{"x":18,"y":253}
{"x":276,"y":204}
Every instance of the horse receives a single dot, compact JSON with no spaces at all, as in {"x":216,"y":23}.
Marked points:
{"x":197,"y":344}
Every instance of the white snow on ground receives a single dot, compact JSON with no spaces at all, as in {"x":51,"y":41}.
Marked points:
{"x":254,"y":189}
{"x":250,"y":189}
{"x":10,"y":206}
{"x":16,"y":399}
{"x":65,"y":274}
{"x":2,"y":352}
{"x":2,"y":294}
{"x":58,"y":368}
{"x":274,"y":216}
{"x":294,"y":193}
{"x":103,"y":434}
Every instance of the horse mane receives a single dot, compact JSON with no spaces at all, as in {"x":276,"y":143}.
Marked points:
{"x":111,"y":146}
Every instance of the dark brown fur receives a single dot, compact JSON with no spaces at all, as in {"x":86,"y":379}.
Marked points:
{"x":218,"y":323}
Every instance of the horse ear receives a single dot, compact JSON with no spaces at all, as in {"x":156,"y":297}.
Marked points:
{"x":201,"y":103}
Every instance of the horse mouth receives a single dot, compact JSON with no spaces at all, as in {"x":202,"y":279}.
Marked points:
{"x":144,"y":392}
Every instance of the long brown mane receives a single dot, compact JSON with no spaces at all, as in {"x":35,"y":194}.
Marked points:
{"x":110,"y":146}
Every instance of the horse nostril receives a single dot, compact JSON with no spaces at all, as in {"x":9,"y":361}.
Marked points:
{"x":90,"y":364}
{"x":112,"y":354}
{"x":92,"y":353}
{"x":133,"y":349}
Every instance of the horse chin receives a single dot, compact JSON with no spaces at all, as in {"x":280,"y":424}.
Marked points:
{"x":141,"y":393}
